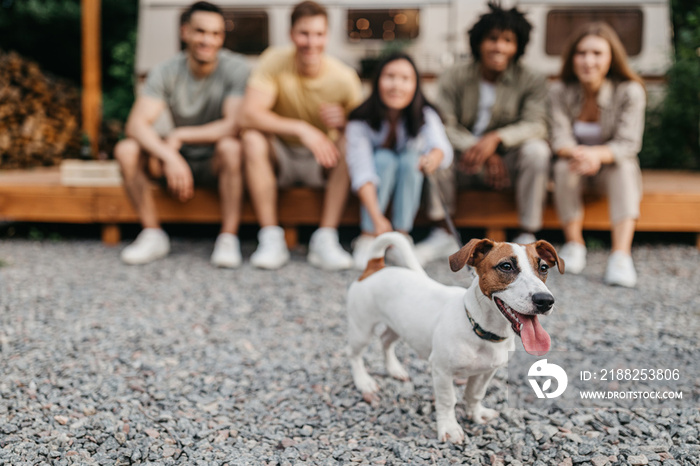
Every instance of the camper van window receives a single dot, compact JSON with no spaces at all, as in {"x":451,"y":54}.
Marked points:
{"x":384,"y":24}
{"x":247,"y":31}
{"x":627,"y":22}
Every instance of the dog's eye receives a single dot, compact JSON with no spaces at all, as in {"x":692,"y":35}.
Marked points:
{"x":544,"y":268}
{"x":506,"y":266}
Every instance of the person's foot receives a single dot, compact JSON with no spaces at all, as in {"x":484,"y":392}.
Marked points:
{"x":620,"y":270}
{"x":326,"y":252}
{"x":272,"y":252}
{"x":149,"y":245}
{"x":227,"y":251}
{"x":574,"y":256}
{"x":360,"y":250}
{"x":438,"y":245}
{"x":524,"y":238}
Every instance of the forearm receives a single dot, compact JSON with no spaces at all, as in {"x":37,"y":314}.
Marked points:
{"x":209,"y":133}
{"x":602,"y":152}
{"x":515,"y":134}
{"x":150,"y":140}
{"x":269,"y":122}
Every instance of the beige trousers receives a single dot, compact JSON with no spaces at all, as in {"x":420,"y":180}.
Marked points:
{"x":528,"y":166}
{"x":620,"y":181}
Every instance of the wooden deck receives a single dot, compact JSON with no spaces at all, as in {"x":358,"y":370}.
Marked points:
{"x":671,"y":203}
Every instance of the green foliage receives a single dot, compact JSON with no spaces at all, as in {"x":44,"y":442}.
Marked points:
{"x":48,"y":31}
{"x":672,"y":137}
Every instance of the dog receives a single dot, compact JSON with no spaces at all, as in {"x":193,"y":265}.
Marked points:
{"x":464,"y":333}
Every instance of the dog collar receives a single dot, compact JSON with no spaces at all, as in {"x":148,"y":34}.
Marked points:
{"x":480,"y":332}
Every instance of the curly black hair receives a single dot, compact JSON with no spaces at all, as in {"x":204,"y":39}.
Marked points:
{"x":501,"y":20}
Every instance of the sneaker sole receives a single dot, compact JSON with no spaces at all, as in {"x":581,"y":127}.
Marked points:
{"x":268,"y":265}
{"x":315,"y":260}
{"x":223,"y":264}
{"x":145,"y":261}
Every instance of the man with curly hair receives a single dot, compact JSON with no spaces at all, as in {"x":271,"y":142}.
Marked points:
{"x":494,"y":112}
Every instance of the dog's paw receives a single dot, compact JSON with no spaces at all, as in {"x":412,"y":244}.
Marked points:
{"x":367,"y":386}
{"x":450,"y":430}
{"x":371,"y":398}
{"x":398,"y":372}
{"x":482,"y":415}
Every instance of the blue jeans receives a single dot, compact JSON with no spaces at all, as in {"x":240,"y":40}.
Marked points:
{"x":398,"y":176}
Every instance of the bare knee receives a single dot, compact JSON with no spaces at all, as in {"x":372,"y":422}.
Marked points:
{"x":255,"y":146}
{"x":128,"y":153}
{"x":228,"y":152}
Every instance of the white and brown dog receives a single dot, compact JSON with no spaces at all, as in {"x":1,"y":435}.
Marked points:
{"x":465,"y":333}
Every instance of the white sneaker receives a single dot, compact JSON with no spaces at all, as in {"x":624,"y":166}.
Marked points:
{"x":227,"y":251}
{"x":149,"y":245}
{"x":524,"y":238}
{"x":438,"y":245}
{"x":360,"y":250}
{"x":326,"y":252}
{"x":272,"y":252}
{"x":620,"y":270}
{"x":574,"y":256}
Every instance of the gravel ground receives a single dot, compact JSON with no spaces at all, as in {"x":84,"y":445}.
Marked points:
{"x":179,"y":363}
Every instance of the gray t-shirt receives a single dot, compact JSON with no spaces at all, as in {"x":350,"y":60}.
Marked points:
{"x":192,"y":101}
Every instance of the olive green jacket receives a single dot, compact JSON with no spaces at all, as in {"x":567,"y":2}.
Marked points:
{"x":622,"y":107}
{"x":518,"y":113}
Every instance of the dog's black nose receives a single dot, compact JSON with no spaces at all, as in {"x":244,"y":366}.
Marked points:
{"x":543,"y":301}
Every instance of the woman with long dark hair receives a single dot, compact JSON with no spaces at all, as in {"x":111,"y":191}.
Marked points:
{"x":597,"y":121}
{"x":394,"y":138}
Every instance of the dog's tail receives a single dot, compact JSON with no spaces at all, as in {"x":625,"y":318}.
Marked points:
{"x":399,"y":241}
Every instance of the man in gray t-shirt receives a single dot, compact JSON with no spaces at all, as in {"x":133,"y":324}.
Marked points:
{"x":202,"y":89}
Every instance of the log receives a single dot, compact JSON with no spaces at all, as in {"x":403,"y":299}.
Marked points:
{"x":39,"y":115}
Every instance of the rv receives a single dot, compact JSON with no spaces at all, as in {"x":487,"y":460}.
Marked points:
{"x":432,"y":31}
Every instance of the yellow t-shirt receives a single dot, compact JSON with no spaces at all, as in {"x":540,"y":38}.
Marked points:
{"x":300,"y":97}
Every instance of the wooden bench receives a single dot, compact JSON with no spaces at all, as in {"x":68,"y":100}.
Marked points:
{"x":671,"y":203}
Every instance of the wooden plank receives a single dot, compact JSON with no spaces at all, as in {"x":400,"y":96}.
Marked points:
{"x":111,"y":234}
{"x":92,"y":71}
{"x":671,"y":203}
{"x":47,"y":204}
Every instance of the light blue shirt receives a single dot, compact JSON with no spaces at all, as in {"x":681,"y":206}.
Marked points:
{"x":362,"y":141}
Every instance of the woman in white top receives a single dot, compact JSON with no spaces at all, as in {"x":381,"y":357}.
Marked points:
{"x":596,"y":127}
{"x":394,"y":138}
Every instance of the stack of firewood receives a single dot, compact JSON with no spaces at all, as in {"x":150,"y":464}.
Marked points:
{"x":39,"y":115}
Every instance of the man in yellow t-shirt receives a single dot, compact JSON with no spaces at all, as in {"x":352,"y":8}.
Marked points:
{"x":294,"y":112}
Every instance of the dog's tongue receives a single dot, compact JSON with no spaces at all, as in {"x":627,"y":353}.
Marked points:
{"x":535,"y":339}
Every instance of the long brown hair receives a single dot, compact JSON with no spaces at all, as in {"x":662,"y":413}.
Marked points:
{"x":619,"y":66}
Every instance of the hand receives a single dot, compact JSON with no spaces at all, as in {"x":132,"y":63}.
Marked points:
{"x":179,"y":178}
{"x":325,"y":152}
{"x":332,"y":116}
{"x":430,"y":162}
{"x":585,"y":160}
{"x":381,"y":225}
{"x":473,"y":159}
{"x":496,"y":172}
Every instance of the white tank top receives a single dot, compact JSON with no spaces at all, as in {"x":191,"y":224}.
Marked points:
{"x":588,"y":133}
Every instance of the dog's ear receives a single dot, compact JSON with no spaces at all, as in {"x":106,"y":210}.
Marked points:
{"x":471,"y":254}
{"x":548,"y":254}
